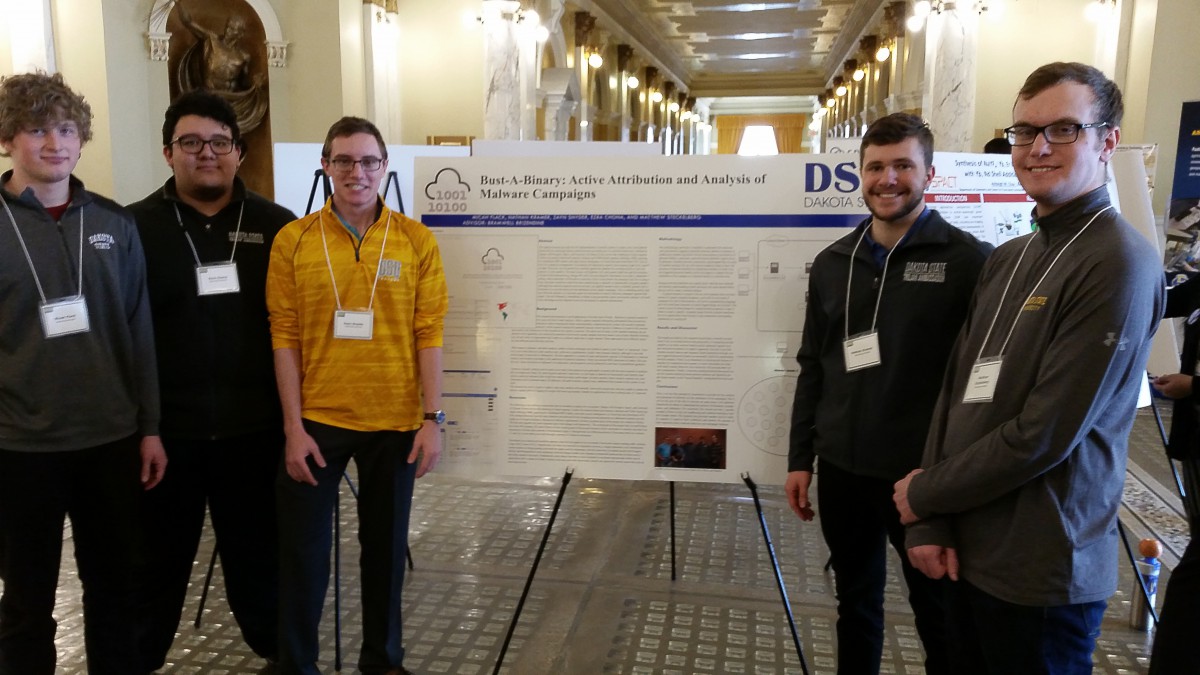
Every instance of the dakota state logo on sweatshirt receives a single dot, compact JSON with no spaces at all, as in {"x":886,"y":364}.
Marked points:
{"x":934,"y":272}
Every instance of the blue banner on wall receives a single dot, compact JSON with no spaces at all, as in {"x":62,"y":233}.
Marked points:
{"x":1183,"y":210}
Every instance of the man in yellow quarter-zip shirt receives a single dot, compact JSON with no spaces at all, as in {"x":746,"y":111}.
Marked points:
{"x":357,"y":298}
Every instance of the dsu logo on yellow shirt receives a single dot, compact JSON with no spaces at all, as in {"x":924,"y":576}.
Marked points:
{"x":389,"y":270}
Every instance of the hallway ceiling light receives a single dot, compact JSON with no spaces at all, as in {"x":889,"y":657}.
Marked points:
{"x":883,"y":54}
{"x":632,"y":82}
{"x":914,"y":23}
{"x":674,"y":107}
{"x":756,"y":36}
{"x":841,"y":90}
{"x":541,"y":34}
{"x":922,"y":8}
{"x":583,"y":124}
{"x":759,"y":57}
{"x":595,"y":60}
{"x":656,"y":97}
{"x":754,"y":7}
{"x":859,"y":74}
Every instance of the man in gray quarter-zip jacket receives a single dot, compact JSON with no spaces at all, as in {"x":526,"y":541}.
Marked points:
{"x":1021,"y":480}
{"x":78,"y":386}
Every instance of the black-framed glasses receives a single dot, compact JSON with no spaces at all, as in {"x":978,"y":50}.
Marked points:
{"x":194,"y":145}
{"x":1059,"y":133}
{"x":346,"y":165}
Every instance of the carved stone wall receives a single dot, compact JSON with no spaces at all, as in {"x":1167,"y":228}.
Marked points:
{"x":257,"y":168}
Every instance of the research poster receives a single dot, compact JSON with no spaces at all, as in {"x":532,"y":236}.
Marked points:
{"x":638,"y":318}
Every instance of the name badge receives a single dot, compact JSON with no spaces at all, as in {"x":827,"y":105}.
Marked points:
{"x":350,"y":325}
{"x":65,"y":316}
{"x":217,"y":279}
{"x":982,"y":382}
{"x":861,"y":351}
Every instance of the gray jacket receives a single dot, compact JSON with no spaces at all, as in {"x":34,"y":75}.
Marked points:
{"x":87,"y":389}
{"x":1026,"y":487}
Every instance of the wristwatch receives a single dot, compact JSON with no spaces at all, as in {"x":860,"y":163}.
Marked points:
{"x":437,"y":417}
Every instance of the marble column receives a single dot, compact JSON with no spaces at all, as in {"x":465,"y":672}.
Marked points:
{"x":502,"y":69}
{"x":560,"y":96}
{"x":529,"y":64}
{"x":624,"y":110}
{"x":951,"y":45}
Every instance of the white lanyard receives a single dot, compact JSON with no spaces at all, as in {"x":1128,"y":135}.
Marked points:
{"x":378,"y":266}
{"x":882,"y":281}
{"x":29,"y":260}
{"x":236,"y":234}
{"x":1013,"y":275}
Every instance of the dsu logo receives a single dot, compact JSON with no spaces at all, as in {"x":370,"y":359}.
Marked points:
{"x":389,"y":269}
{"x":842,"y":177}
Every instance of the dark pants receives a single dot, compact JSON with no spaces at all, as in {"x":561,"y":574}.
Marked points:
{"x":98,"y":489}
{"x":858,"y":519}
{"x":989,"y":636}
{"x":385,"y":482}
{"x":1179,"y":622}
{"x":235,"y":477}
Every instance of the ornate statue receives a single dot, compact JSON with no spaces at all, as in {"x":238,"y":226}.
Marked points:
{"x":218,"y":62}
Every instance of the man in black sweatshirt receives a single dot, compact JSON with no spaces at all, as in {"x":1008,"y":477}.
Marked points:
{"x":1023,"y":469}
{"x":207,"y":241}
{"x":885,"y":303}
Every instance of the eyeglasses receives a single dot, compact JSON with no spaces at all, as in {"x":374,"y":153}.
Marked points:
{"x":346,"y":165}
{"x":1059,"y":133}
{"x":194,"y":145}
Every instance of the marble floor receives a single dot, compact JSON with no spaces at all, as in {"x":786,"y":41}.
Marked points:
{"x":604,"y":602}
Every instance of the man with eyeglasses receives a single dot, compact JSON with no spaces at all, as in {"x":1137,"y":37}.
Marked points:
{"x":208,"y":241}
{"x":1025,"y":461}
{"x":78,"y":389}
{"x":357,"y":299}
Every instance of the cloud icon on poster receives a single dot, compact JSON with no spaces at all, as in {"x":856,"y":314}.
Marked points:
{"x":446,"y":183}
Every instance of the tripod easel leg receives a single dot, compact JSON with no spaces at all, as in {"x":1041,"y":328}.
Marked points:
{"x":787,"y":606}
{"x":512,"y":627}
{"x":212,"y":563}
{"x":672,"y":530}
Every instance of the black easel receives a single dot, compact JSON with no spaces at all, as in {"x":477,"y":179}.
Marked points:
{"x":1162,"y":433}
{"x":672,"y":483}
{"x":393,"y":179}
{"x":512,"y":627}
{"x":212,"y":563}
{"x":787,"y":605}
{"x":326,"y":189}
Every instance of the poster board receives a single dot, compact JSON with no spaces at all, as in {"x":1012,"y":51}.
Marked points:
{"x":639,"y":318}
